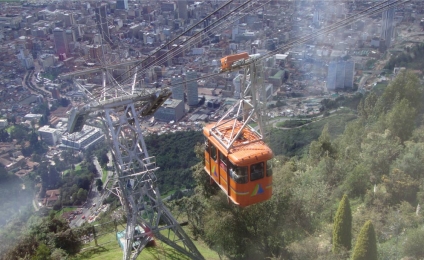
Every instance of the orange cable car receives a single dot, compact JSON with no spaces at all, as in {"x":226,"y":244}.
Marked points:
{"x":244,"y":171}
{"x":227,"y":61}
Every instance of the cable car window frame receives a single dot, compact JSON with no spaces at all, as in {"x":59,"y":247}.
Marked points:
{"x":238,"y":174}
{"x":269,"y":168}
{"x":256,"y":174}
{"x":207,"y":145}
{"x":214,"y":152}
{"x":223,"y":159}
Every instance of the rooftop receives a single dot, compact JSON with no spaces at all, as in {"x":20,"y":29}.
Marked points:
{"x":171,"y":103}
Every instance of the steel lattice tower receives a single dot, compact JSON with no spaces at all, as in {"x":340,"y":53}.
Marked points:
{"x":135,"y":180}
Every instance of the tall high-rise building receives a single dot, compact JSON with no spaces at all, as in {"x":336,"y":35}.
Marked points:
{"x":101,"y":20}
{"x":387,"y":25}
{"x":60,"y":41}
{"x":192,"y":88}
{"x":68,"y":19}
{"x":122,"y":4}
{"x":177,"y":87}
{"x":182,"y":9}
{"x":76,"y":28}
{"x":340,"y":75}
{"x":70,"y":35}
{"x":317,"y":17}
{"x":237,"y":85}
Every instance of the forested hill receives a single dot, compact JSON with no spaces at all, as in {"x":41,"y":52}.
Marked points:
{"x":377,"y":162}
{"x":175,"y":156}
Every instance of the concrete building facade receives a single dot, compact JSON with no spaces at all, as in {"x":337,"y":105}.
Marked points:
{"x":84,"y":139}
{"x":177,"y":88}
{"x":387,"y":25}
{"x":49,"y":135}
{"x":182,"y":9}
{"x":60,"y":41}
{"x":171,"y":110}
{"x":340,"y":75}
{"x":122,"y":4}
{"x":192,"y":88}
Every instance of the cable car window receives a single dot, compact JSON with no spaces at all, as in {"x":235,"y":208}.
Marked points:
{"x":238,"y":174}
{"x":206,"y":145}
{"x":223,"y":161}
{"x":256,"y":171}
{"x":268,"y":168}
{"x":213,"y":152}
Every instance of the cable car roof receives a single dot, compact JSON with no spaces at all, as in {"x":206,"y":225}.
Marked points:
{"x":246,"y":149}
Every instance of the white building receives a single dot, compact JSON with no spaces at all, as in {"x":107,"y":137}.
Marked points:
{"x":3,"y":123}
{"x":82,"y":140}
{"x":340,"y":75}
{"x":171,"y":110}
{"x":31,"y":117}
{"x":49,"y":135}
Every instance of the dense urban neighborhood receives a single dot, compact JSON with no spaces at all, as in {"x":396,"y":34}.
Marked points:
{"x":343,"y":103}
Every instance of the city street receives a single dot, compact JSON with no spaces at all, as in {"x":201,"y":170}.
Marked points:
{"x":94,"y":200}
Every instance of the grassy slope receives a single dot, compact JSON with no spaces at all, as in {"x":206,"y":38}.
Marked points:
{"x":104,"y":175}
{"x":109,"y":249}
{"x":291,"y":142}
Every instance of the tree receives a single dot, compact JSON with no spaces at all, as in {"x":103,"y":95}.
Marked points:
{"x":33,"y":139}
{"x":42,"y":253}
{"x":4,"y":135}
{"x":366,"y":245}
{"x":82,"y":195}
{"x":104,"y":159}
{"x":357,"y":181}
{"x":59,"y":254}
{"x":411,"y":160}
{"x":68,"y":241}
{"x":33,"y":124}
{"x":378,"y":153}
{"x":366,"y":108}
{"x":43,"y":120}
{"x":413,"y":245}
{"x":342,"y":229}
{"x":12,"y":120}
{"x":36,"y":158}
{"x":401,"y":186}
{"x":405,"y":86}
{"x":322,"y":147}
{"x":401,"y":120}
{"x":64,"y":102}
{"x":227,"y":227}
{"x":19,"y":132}
{"x":99,"y":184}
{"x":54,"y":177}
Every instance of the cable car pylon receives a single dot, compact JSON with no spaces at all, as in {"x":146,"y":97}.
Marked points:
{"x":134,"y":180}
{"x":137,"y":184}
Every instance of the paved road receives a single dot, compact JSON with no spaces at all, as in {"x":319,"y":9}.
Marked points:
{"x":94,"y":200}
{"x":26,"y":86}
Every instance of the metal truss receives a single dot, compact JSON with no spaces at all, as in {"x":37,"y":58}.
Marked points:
{"x":135,"y":185}
{"x":248,"y":108}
